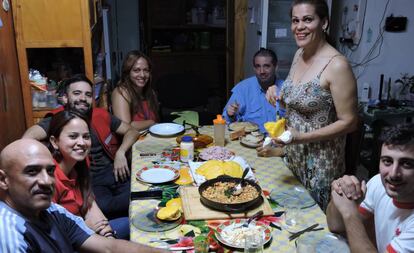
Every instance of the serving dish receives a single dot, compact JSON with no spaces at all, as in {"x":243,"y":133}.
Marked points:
{"x":200,"y":141}
{"x":215,"y":153}
{"x":231,"y":234}
{"x":230,"y":207}
{"x":252,"y":141}
{"x":248,"y":126}
{"x":157,"y":174}
{"x":166,"y":129}
{"x":146,"y":220}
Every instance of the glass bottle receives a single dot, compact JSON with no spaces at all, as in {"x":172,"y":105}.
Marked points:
{"x":186,"y":149}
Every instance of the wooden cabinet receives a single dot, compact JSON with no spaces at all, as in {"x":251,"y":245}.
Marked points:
{"x":186,"y":41}
{"x":49,"y":31}
{"x":11,"y":103}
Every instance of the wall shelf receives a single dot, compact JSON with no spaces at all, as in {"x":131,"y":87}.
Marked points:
{"x":50,"y":26}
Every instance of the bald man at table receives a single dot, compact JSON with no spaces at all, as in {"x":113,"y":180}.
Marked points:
{"x":29,"y":221}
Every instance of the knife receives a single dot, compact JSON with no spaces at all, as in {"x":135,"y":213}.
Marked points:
{"x":299,"y":233}
{"x":149,"y":194}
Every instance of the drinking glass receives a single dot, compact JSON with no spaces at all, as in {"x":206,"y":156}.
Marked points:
{"x":253,"y":243}
{"x":201,"y":244}
{"x":291,"y":206}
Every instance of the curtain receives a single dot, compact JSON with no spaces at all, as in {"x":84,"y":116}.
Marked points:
{"x":240,"y":10}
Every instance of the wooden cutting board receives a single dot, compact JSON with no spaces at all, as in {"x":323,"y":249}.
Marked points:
{"x":195,"y":210}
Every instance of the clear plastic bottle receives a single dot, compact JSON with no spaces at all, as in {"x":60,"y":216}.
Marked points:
{"x":219,"y":131}
{"x":186,"y":149}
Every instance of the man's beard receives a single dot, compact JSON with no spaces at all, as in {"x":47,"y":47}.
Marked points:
{"x":83,"y":111}
{"x":265,"y":84}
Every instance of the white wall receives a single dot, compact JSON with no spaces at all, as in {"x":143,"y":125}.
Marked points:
{"x":253,"y":25}
{"x":397,"y":52}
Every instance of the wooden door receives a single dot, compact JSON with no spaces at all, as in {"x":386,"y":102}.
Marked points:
{"x":12,"y":118}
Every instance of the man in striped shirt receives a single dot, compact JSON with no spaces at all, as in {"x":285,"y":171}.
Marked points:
{"x":29,"y":222}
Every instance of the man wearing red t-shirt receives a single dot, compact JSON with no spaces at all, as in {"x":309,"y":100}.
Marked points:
{"x":384,"y":220}
{"x":108,"y":165}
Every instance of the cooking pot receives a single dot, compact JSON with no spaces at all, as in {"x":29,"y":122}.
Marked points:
{"x":235,"y":208}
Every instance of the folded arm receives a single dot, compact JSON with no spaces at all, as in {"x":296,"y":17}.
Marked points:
{"x":344,"y":218}
{"x":97,"y":221}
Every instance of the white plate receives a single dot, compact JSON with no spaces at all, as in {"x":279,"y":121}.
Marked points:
{"x":252,"y":141}
{"x":248,"y":126}
{"x":322,"y":242}
{"x":228,"y":227}
{"x":157,"y":174}
{"x":166,"y":129}
{"x":297,"y":192}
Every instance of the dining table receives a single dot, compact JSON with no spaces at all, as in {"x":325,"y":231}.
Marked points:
{"x":271,"y":173}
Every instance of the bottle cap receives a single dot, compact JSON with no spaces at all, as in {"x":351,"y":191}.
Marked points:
{"x":187,"y":138}
{"x":219,"y":120}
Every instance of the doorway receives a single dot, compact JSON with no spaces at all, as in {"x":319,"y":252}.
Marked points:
{"x":190,"y":43}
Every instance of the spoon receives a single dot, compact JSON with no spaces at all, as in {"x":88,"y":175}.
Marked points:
{"x":237,"y":190}
{"x":254,"y":217}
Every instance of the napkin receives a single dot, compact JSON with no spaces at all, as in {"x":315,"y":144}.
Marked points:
{"x":187,"y":116}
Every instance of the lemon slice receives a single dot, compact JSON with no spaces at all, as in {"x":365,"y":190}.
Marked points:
{"x":169,"y":213}
{"x":177,"y":202}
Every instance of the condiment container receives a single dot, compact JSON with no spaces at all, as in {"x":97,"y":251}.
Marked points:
{"x":186,"y":149}
{"x":219,"y":131}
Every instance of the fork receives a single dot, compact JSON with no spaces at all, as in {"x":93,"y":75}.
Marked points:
{"x":299,"y":233}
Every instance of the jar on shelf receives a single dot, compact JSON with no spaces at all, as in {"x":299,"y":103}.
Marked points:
{"x":205,"y":40}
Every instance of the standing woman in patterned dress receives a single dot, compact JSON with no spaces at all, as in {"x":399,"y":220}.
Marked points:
{"x":320,"y":99}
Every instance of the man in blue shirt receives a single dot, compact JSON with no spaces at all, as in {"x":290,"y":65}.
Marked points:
{"x":29,"y":222}
{"x":248,"y":100}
